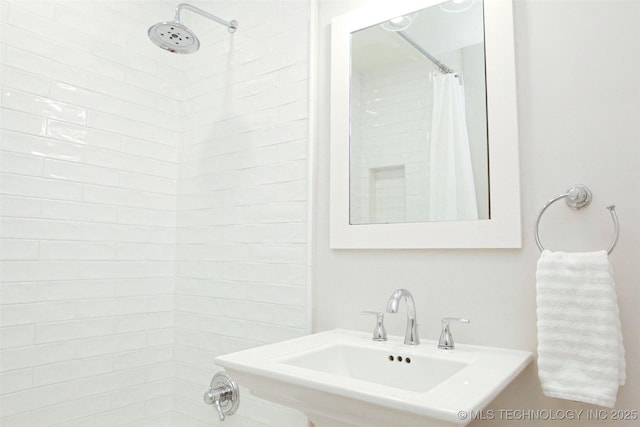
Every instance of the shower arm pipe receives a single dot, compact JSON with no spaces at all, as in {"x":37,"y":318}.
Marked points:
{"x":442,"y":67}
{"x":231,"y":25}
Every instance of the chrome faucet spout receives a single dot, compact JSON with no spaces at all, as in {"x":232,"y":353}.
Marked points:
{"x":411,"y":334}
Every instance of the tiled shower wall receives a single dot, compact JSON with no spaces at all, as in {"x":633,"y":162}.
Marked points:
{"x":107,"y":143}
{"x":90,"y":135}
{"x":242,"y":194}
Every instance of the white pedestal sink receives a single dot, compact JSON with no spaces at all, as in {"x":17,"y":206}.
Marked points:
{"x":343,"y":378}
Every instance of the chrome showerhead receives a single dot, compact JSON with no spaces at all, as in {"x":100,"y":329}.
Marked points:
{"x":174,"y":37}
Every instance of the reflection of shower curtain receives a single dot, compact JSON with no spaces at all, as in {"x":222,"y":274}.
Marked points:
{"x":452,"y":193}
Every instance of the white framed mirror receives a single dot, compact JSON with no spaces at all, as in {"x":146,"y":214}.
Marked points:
{"x":424,"y":141}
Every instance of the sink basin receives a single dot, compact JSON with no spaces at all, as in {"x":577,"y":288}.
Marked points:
{"x":343,"y":378}
{"x":411,"y":372}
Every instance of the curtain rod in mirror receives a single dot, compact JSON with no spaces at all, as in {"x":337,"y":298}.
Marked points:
{"x":442,"y":67}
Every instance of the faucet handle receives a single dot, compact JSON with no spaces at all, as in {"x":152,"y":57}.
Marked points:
{"x":446,"y":338}
{"x":379,"y":333}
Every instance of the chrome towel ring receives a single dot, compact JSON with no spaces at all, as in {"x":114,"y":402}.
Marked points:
{"x":578,"y":197}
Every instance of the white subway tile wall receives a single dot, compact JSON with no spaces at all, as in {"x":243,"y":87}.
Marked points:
{"x":90,"y":133}
{"x":241,"y":243}
{"x":153,"y":208}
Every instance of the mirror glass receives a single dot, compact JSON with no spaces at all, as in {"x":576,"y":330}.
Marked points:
{"x":418,"y":118}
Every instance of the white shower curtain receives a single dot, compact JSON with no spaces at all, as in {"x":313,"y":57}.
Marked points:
{"x":452,"y":193}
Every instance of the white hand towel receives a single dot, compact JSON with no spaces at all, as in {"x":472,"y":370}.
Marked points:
{"x":580,"y":351}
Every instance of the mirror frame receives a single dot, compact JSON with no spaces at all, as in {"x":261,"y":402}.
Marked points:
{"x":503,"y":230}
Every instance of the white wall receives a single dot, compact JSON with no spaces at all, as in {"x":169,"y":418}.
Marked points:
{"x":89,"y":150}
{"x":579,"y":103}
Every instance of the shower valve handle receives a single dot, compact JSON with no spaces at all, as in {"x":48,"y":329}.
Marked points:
{"x":212,"y":397}
{"x":223,"y":394}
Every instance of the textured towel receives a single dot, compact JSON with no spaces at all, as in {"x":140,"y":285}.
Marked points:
{"x":580,"y":351}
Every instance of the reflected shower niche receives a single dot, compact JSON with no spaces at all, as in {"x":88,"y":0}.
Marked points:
{"x":424,"y":140}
